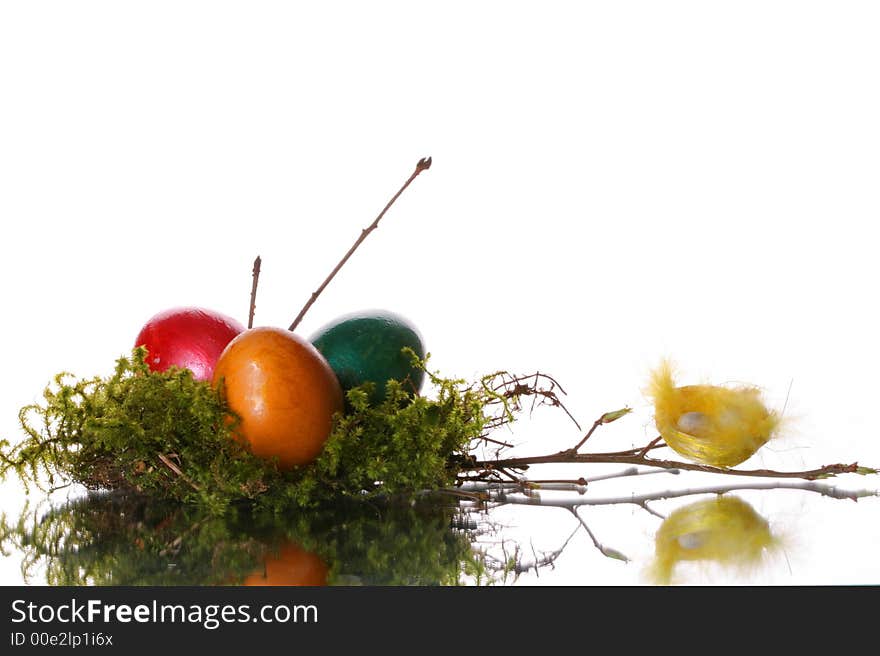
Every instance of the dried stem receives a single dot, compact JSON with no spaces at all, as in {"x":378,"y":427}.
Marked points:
{"x":530,"y":486}
{"x":422,"y":165}
{"x":511,"y":389}
{"x":593,"y":428}
{"x":257,"y":263}
{"x":505,"y":391}
{"x":568,"y":457}
{"x":175,"y":469}
{"x":653,"y":444}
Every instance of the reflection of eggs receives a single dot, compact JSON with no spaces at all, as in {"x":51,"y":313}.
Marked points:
{"x":714,"y":425}
{"x":725,"y":530}
{"x":290,"y":565}
{"x":284,"y":392}
{"x":367,"y":347}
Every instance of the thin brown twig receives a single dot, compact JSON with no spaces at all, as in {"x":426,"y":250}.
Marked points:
{"x":527,"y":486}
{"x":510,"y":477}
{"x":636,"y":459}
{"x":174,"y":468}
{"x":635,"y":456}
{"x":506,"y":389}
{"x":256,"y":274}
{"x":423,"y":165}
{"x":464,"y":494}
{"x":593,"y":428}
{"x":653,"y":443}
{"x":656,"y":443}
{"x":498,"y":442}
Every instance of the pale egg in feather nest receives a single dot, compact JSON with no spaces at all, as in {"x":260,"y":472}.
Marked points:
{"x":710,"y":424}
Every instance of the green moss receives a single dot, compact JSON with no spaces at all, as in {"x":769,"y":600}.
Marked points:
{"x":171,"y":437}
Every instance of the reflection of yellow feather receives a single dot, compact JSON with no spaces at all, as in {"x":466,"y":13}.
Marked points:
{"x":720,"y":426}
{"x":724,"y":530}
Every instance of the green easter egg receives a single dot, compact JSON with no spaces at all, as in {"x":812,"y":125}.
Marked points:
{"x":367,"y":346}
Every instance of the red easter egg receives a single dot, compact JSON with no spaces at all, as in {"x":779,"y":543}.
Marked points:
{"x":187,"y":337}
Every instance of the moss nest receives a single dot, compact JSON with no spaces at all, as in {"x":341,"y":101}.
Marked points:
{"x":171,"y":437}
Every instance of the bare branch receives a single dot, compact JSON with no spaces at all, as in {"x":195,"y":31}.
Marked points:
{"x":626,"y":458}
{"x":505,"y":390}
{"x":176,"y":470}
{"x":256,"y":275}
{"x":423,"y":165}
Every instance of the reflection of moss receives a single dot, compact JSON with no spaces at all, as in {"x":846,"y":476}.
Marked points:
{"x":724,"y":530}
{"x":125,"y":540}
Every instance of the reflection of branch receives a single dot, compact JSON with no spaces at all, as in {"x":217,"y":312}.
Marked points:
{"x":501,"y":496}
{"x":518,"y":566}
{"x":606,"y":551}
{"x":173,"y":546}
{"x":644,"y":506}
{"x":501,"y":493}
{"x":497,"y":493}
{"x":515,"y":564}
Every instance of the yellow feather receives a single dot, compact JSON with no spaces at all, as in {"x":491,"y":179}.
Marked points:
{"x":710,"y":424}
{"x":724,"y":530}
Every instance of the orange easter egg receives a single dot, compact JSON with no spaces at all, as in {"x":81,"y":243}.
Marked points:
{"x":290,"y":565}
{"x":283,"y":390}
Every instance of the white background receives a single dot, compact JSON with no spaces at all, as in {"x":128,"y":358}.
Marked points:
{"x":613,"y":182}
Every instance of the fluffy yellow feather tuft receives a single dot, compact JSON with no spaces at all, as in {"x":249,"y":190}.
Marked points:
{"x":710,"y":424}
{"x":725,"y":530}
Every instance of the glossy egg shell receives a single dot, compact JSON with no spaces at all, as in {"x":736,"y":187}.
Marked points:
{"x":284,"y":392}
{"x":367,"y":346}
{"x":290,"y":565}
{"x":187,"y":337}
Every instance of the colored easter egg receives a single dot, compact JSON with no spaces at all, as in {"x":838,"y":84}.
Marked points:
{"x":187,"y":337}
{"x":284,"y":392}
{"x":289,"y":565}
{"x":368,"y":346}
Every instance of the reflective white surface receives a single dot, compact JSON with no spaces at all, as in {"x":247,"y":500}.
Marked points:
{"x":612,"y":184}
